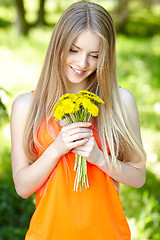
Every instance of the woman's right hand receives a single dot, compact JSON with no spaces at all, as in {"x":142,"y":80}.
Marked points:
{"x":71,"y":136}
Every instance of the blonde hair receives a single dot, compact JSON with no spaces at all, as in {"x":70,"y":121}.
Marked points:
{"x":112,"y":123}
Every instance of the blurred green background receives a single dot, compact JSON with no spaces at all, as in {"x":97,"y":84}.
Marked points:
{"x":25,"y":30}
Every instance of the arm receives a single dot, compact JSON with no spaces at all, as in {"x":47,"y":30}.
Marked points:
{"x":129,"y":175}
{"x":28,"y":178}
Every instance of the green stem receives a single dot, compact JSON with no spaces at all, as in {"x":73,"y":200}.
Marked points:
{"x":68,"y":117}
{"x":81,"y":173}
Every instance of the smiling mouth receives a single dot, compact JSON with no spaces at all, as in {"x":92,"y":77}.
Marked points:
{"x":77,"y":72}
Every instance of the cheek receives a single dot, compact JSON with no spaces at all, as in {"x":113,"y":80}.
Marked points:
{"x":93,"y":65}
{"x":69,"y":59}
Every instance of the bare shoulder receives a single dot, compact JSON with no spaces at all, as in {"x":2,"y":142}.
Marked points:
{"x":131,"y":111}
{"x":20,"y":108}
{"x":22,"y":103}
{"x":128,"y":101}
{"x":127,"y":96}
{"x":23,"y":100}
{"x":19,"y":113}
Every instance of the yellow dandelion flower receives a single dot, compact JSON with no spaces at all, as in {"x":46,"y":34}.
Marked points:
{"x":59,"y":112}
{"x":93,"y":110}
{"x":86,"y":103}
{"x":73,"y":97}
{"x":80,"y":100}
{"x":56,"y":105}
{"x":76,"y":107}
{"x":68,"y":106}
{"x":85,"y":92}
{"x":92,"y":96}
{"x":98,"y":99}
{"x":65,"y":96}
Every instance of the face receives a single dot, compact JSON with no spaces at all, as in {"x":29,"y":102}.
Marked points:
{"x":82,"y":59}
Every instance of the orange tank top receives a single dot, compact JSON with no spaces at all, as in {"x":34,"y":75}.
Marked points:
{"x":63,"y":214}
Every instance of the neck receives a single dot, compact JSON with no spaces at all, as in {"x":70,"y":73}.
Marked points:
{"x":74,"y":88}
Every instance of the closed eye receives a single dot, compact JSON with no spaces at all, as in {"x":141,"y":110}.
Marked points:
{"x":93,"y":56}
{"x":75,"y":51}
{"x":71,"y":50}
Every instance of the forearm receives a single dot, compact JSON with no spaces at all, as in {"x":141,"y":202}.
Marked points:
{"x":128,"y":174}
{"x":30,"y":178}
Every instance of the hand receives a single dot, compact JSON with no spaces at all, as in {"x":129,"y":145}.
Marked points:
{"x":90,"y":151}
{"x":72,"y":136}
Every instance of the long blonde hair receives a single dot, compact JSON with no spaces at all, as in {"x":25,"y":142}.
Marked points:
{"x":111,"y":122}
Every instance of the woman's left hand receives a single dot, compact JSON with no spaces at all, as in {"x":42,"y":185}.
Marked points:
{"x":90,"y":151}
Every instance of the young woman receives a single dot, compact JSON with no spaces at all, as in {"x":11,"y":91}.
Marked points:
{"x":81,"y":56}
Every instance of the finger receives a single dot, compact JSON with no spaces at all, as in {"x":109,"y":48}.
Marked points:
{"x":76,"y":134}
{"x":78,"y":124}
{"x":77,"y":130}
{"x":89,"y":144}
{"x":81,"y":148}
{"x":91,"y":141}
{"x":78,"y":143}
{"x":79,"y":136}
{"x":81,"y":153}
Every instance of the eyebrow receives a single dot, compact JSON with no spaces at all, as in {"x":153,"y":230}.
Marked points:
{"x":80,"y":48}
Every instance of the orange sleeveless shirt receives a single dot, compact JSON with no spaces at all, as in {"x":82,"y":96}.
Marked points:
{"x":63,"y":214}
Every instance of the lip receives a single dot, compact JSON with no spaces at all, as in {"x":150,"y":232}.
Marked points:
{"x":77,"y":73}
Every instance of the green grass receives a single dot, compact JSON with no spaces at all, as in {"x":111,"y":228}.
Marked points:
{"x":138,"y":70}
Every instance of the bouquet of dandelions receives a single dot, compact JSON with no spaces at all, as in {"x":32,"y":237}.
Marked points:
{"x":78,"y":107}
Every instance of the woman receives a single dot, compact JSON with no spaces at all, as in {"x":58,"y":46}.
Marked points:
{"x":81,"y":55}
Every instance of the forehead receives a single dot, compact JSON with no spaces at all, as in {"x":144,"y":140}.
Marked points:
{"x":88,"y":40}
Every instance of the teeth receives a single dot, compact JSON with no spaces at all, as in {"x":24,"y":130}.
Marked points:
{"x":78,"y":71}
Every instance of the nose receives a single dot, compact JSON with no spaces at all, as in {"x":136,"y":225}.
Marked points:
{"x":82,"y":61}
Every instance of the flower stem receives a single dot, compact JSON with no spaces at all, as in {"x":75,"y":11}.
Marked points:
{"x":81,"y":174}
